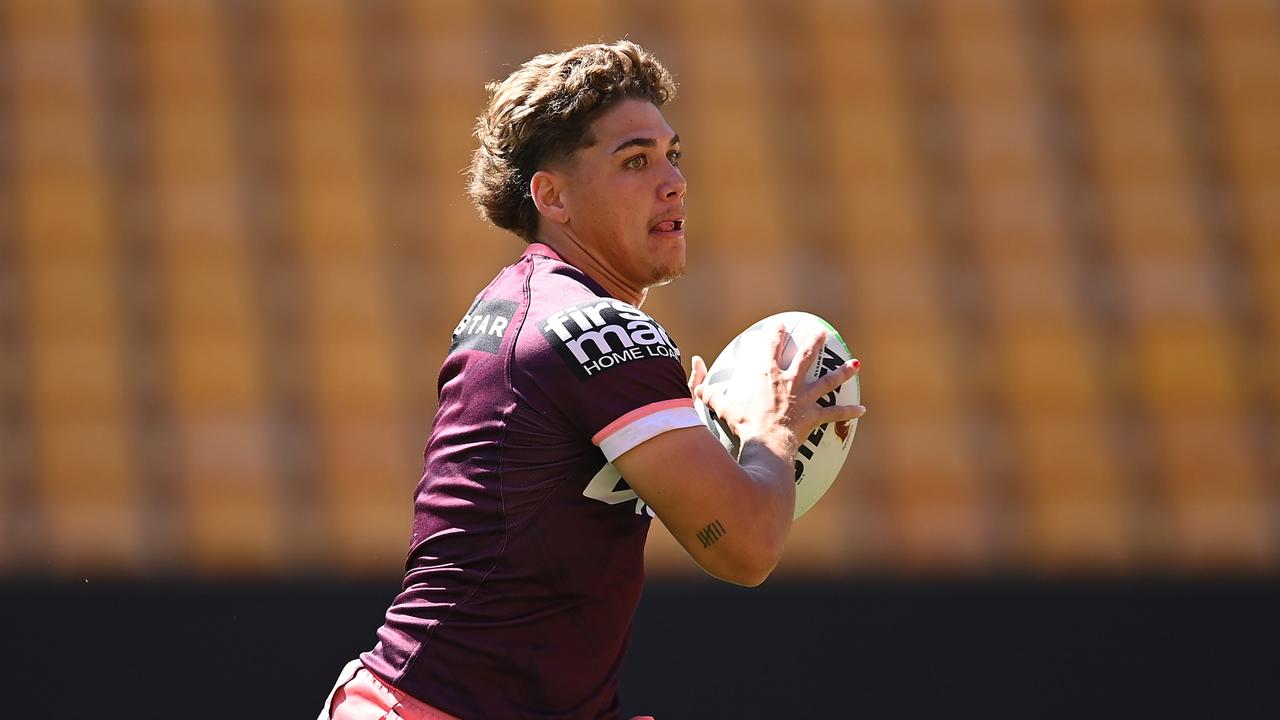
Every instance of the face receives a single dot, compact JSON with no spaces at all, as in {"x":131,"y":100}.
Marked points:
{"x":624,"y":196}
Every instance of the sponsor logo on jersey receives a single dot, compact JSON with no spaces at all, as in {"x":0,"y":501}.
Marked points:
{"x":608,"y":486}
{"x":483,"y":326}
{"x":603,"y":334}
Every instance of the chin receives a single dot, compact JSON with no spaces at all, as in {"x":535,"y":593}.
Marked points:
{"x":668,"y":264}
{"x":665,"y":275}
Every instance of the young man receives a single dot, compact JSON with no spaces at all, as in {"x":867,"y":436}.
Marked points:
{"x":526,"y":558}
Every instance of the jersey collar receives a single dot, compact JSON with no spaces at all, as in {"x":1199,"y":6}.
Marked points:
{"x":544,"y":250}
{"x":537,"y":248}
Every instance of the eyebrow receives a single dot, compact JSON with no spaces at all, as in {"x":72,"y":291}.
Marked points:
{"x":643,"y":142}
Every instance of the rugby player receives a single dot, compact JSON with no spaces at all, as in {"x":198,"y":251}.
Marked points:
{"x":566,"y":422}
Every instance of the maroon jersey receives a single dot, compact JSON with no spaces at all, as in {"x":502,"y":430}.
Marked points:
{"x":527,"y":554}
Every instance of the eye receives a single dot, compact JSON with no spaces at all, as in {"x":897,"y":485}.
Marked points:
{"x":636,"y":162}
{"x":674,"y":157}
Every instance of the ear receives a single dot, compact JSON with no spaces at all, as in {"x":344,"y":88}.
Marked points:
{"x":545,"y":187}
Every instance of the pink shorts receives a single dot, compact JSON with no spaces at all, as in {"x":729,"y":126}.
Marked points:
{"x":360,"y":695}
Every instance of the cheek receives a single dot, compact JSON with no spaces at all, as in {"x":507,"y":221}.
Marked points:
{"x":617,"y":210}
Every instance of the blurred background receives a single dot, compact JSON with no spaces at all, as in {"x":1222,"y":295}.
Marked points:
{"x":234,"y":241}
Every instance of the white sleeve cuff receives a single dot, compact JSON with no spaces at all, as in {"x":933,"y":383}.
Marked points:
{"x":645,"y":423}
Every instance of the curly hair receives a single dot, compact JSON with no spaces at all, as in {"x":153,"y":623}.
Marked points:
{"x":543,"y":112}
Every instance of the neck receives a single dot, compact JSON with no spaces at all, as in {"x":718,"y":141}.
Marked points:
{"x":573,"y":251}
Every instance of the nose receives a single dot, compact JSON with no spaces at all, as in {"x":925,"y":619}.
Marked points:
{"x":673,"y":185}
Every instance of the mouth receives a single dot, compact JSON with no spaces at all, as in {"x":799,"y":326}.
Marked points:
{"x":669,"y":227}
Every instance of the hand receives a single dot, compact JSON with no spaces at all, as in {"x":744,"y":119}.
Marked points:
{"x":772,"y":403}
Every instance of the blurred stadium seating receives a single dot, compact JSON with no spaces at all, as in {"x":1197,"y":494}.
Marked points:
{"x":234,"y":241}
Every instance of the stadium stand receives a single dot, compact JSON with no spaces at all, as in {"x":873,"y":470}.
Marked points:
{"x":237,"y":240}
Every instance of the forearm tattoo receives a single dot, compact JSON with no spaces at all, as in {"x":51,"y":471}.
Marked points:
{"x":710,"y":534}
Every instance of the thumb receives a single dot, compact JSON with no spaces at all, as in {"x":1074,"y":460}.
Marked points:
{"x":699,"y":372}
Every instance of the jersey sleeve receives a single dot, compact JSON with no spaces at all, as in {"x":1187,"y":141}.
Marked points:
{"x":616,"y":373}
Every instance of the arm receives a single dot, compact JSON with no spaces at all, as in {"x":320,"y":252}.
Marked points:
{"x":733,"y":518}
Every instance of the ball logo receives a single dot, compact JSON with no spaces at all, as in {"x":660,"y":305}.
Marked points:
{"x":601,"y":334}
{"x":842,"y":429}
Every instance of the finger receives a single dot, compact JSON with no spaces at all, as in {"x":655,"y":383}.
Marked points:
{"x":837,"y":413}
{"x":835,"y":378}
{"x":698,"y":374}
{"x":779,"y":343}
{"x":804,"y":359}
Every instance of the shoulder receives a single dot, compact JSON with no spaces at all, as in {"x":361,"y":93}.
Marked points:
{"x":608,"y":367}
{"x":494,"y":310}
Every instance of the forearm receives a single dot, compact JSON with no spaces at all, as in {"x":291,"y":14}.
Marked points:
{"x":769,"y":463}
{"x":732,"y":516}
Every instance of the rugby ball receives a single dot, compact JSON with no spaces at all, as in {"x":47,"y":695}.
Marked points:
{"x":823,"y":453}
